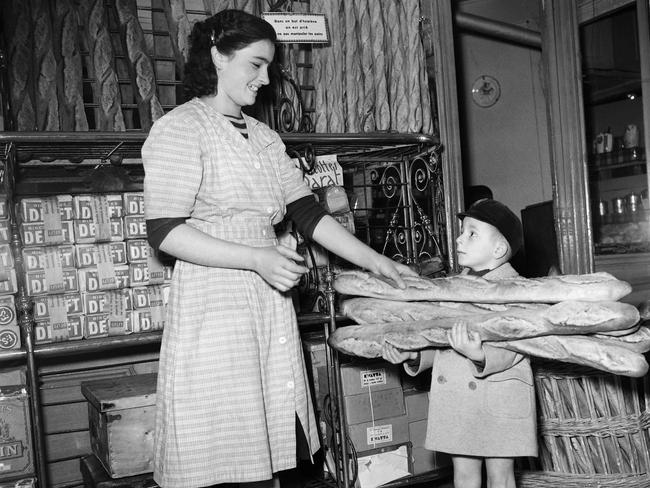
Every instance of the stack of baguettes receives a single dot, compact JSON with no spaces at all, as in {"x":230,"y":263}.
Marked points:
{"x":571,"y":318}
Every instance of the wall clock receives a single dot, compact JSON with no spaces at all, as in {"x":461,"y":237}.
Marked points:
{"x":486,"y":91}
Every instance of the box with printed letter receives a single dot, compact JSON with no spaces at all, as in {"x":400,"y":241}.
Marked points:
{"x":16,"y":455}
{"x":121,"y":415}
{"x":9,"y":330}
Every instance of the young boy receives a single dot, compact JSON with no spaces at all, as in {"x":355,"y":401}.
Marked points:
{"x":482,"y":402}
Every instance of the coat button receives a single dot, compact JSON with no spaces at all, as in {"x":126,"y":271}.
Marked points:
{"x":282,"y":340}
{"x":441,"y":379}
{"x":472,"y":385}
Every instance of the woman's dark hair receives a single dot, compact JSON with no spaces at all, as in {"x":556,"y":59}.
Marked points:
{"x":229,"y":31}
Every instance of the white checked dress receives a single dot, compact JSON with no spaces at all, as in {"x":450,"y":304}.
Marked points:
{"x":232,"y":378}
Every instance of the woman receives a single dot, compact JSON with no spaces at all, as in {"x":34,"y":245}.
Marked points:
{"x":232,"y":388}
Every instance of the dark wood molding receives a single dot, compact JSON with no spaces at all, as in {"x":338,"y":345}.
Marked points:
{"x":439,"y":13}
{"x":562,"y":77}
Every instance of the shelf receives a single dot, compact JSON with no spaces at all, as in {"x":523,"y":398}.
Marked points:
{"x":101,"y":344}
{"x":116,"y":147}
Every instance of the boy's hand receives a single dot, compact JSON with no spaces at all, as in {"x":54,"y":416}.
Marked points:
{"x":396,"y":356}
{"x":466,"y":342}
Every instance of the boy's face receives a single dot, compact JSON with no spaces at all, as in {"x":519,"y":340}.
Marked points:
{"x":476,"y":244}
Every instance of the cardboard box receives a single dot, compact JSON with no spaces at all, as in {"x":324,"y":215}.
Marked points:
{"x":38,"y":285}
{"x":386,"y":432}
{"x":423,"y":460}
{"x":121,"y":413}
{"x":88,"y":207}
{"x":89,"y":280}
{"x":72,"y":330}
{"x":417,"y":404}
{"x":133,"y":203}
{"x":88,"y":231}
{"x":316,"y":361}
{"x":376,"y":404}
{"x":34,"y":234}
{"x":31,"y":209}
{"x":135,"y":227}
{"x":358,"y":377}
{"x":16,"y":456}
{"x":88,"y":254}
{"x":73,"y":302}
{"x":34,"y":258}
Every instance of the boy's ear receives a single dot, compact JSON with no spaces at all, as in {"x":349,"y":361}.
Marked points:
{"x":500,"y":249}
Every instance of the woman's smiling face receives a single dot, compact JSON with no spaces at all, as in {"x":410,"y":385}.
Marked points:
{"x":242,"y":74}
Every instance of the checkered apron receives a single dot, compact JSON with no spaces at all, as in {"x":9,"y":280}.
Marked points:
{"x":231,"y":378}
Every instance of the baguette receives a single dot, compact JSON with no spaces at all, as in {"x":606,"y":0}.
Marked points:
{"x":375,"y":310}
{"x":593,"y":287}
{"x":563,"y":318}
{"x":587,"y":351}
{"x":638,"y":341}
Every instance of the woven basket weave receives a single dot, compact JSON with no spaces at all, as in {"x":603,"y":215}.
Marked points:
{"x":594,"y":428}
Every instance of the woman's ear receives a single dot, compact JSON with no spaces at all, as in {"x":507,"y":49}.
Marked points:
{"x":218,"y":59}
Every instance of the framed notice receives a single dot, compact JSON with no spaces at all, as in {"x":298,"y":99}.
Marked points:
{"x":299,"y":27}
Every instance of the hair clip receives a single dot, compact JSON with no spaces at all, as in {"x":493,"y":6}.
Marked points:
{"x":213,"y":39}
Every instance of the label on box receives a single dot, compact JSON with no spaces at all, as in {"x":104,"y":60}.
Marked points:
{"x":379,"y":434}
{"x":135,"y":227}
{"x":33,"y":234}
{"x":9,"y":337}
{"x":31,"y":209}
{"x":53,"y":270}
{"x":58,"y":318}
{"x":9,"y":286}
{"x":4,"y":208}
{"x":52,"y":225}
{"x":5,"y":232}
{"x":37,"y":284}
{"x":16,"y":457}
{"x":88,"y":254}
{"x":133,"y":203}
{"x":73,"y":305}
{"x":372,"y":377}
{"x":7,"y":311}
{"x":34,"y":257}
{"x":116,"y":314}
{"x":6,"y":257}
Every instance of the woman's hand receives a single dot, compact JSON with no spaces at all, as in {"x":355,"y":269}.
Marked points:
{"x":466,"y":342}
{"x":393,"y":270}
{"x":278,"y":265}
{"x":396,"y":356}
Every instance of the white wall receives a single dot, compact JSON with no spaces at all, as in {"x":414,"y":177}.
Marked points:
{"x":504,"y":146}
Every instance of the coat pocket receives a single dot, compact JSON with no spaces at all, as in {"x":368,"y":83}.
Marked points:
{"x":510,"y":396}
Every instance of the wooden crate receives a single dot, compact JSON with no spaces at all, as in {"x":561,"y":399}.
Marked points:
{"x":121,"y":415}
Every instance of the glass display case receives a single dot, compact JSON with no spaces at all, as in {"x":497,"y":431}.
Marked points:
{"x":614,"y":125}
{"x":614,"y":49}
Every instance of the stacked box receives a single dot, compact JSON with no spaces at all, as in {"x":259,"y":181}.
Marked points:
{"x":417,"y":408}
{"x":374,"y":405}
{"x":315,"y":358}
{"x":9,"y":330}
{"x":16,"y":455}
{"x":81,"y":272}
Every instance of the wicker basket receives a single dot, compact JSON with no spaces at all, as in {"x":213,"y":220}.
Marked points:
{"x":593,"y":428}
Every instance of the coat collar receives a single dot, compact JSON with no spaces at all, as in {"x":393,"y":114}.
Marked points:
{"x":502,"y":272}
